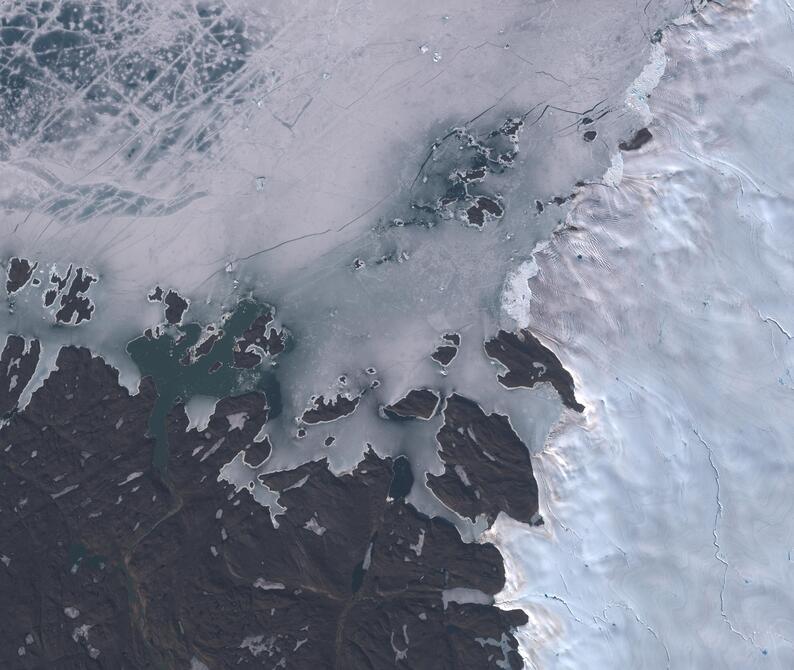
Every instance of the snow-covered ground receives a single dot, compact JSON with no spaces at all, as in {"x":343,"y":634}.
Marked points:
{"x":669,"y":528}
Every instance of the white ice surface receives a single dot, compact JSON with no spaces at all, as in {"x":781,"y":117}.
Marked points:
{"x":668,"y":505}
{"x":312,"y":143}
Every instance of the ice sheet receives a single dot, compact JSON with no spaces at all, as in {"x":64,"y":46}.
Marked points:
{"x":667,"y":541}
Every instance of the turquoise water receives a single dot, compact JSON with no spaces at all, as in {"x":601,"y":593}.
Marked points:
{"x":160,"y":359}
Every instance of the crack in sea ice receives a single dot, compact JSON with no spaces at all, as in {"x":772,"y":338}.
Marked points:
{"x":769,"y":319}
{"x":639,"y":620}
{"x":750,"y":639}
{"x":547,"y":596}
